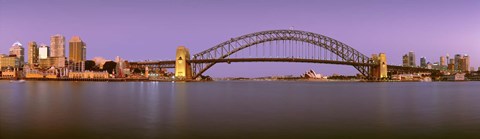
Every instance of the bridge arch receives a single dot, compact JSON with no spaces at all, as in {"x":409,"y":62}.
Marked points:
{"x":225,"y":50}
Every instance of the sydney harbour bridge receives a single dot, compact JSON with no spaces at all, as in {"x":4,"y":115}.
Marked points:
{"x":278,"y":46}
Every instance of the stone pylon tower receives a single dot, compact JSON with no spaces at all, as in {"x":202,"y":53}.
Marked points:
{"x":383,"y":65}
{"x":183,"y":69}
{"x":380,"y":71}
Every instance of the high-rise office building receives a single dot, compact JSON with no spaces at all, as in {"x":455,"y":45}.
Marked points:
{"x":43,"y":52}
{"x":442,"y":61}
{"x":458,"y":62}
{"x":57,"y":51}
{"x":405,"y":61}
{"x":411,"y":59}
{"x":57,"y":46}
{"x":423,"y":62}
{"x":448,"y":59}
{"x":466,"y":64}
{"x":18,"y":50}
{"x":77,"y":50}
{"x":32,"y":54}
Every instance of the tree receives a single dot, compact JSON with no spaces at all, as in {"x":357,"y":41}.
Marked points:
{"x":90,"y":65}
{"x":109,"y":66}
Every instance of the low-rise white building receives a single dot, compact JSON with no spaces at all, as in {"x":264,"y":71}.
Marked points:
{"x":88,"y":75}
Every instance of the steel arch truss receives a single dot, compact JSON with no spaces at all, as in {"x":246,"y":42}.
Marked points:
{"x":293,"y":44}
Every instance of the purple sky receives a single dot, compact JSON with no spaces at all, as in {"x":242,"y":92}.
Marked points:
{"x":150,"y":29}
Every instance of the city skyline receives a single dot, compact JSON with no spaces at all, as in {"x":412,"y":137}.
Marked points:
{"x":158,"y":31}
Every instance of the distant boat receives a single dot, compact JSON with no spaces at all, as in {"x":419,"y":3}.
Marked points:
{"x":17,"y":81}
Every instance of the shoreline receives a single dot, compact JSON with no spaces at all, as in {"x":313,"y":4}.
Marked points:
{"x":243,"y":79}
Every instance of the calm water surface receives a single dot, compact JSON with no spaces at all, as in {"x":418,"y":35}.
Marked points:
{"x":239,"y":109}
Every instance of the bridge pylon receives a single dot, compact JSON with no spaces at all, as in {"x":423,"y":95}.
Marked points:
{"x":183,"y":69}
{"x":379,"y":71}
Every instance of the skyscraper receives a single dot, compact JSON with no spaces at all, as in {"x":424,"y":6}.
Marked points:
{"x":405,"y":61}
{"x":57,"y":51}
{"x":77,"y":50}
{"x":466,"y":64}
{"x":43,"y":52}
{"x":57,"y":46}
{"x":458,"y":62}
{"x":18,"y":50}
{"x":423,"y":62}
{"x":448,"y":59}
{"x":411,"y":59}
{"x":32,"y":54}
{"x":442,"y":61}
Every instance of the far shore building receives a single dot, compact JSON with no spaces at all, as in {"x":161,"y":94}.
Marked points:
{"x":88,"y":75}
{"x":57,"y":46}
{"x":18,"y":50}
{"x":32,"y":54}
{"x":77,"y":50}
{"x":9,"y":62}
{"x":77,"y":55}
{"x":43,"y":52}
{"x":57,"y":51}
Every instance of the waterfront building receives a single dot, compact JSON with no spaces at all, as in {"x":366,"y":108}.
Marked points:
{"x":77,"y":49}
{"x":423,"y":62}
{"x":9,"y":62}
{"x":456,"y":77}
{"x":88,"y":75}
{"x":10,"y":73}
{"x":33,"y":54}
{"x":43,"y":52}
{"x":405,"y":61}
{"x":57,"y":46}
{"x":51,"y":73}
{"x":407,"y":77}
{"x":411,"y":59}
{"x":33,"y":74}
{"x":310,"y":74}
{"x":18,"y":50}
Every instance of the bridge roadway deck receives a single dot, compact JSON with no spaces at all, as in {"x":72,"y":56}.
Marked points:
{"x":299,"y":60}
{"x":171,"y":63}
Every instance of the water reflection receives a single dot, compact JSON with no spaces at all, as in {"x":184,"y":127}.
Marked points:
{"x":245,"y":109}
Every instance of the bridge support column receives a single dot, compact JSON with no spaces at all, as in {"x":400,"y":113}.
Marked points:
{"x":379,"y":71}
{"x":146,"y":73}
{"x":183,"y":69}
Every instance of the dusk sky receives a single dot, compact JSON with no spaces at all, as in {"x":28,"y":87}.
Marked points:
{"x":148,"y":29}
